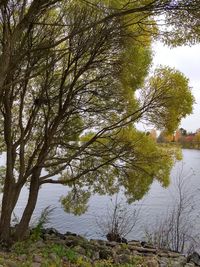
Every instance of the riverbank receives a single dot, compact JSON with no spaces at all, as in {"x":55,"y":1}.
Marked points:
{"x":49,"y":248}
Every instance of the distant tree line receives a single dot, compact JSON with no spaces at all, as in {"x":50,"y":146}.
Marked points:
{"x":182,"y":137}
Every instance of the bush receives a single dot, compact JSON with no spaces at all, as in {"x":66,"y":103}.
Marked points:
{"x":176,"y":229}
{"x":118,"y":221}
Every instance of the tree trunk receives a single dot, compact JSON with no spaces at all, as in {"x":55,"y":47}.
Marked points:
{"x":22,"y":227}
{"x":10,"y":197}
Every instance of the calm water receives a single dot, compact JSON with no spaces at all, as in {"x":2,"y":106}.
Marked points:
{"x":155,"y":203}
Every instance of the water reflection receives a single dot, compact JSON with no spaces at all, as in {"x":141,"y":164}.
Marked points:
{"x":155,"y":203}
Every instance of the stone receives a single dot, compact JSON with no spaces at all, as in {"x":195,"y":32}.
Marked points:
{"x":123,"y":258}
{"x":173,"y":254}
{"x":194,"y":258}
{"x":59,"y":241}
{"x":112,"y":244}
{"x":94,"y":242}
{"x":53,"y":256}
{"x":79,"y":250}
{"x":37,"y":258}
{"x":105,"y":254}
{"x":177,"y":264}
{"x":9,"y":263}
{"x":65,"y":259}
{"x":142,"y":249}
{"x":95,"y":255}
{"x":70,"y":233}
{"x":120,"y":250}
{"x":134,"y":243}
{"x":61,"y":236}
{"x":163,"y":262}
{"x":182,"y":260}
{"x":36,"y":264}
{"x":22,"y":257}
{"x":162,"y":254}
{"x":51,"y":231}
{"x":71,"y":241}
{"x":101,"y":242}
{"x":40,"y":244}
{"x":152,"y":263}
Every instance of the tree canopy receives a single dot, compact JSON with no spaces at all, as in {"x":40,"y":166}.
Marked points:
{"x":70,"y":76}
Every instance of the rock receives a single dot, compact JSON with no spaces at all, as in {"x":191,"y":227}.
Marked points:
{"x":95,"y":255}
{"x":51,"y":231}
{"x":182,"y":260}
{"x":9,"y":263}
{"x":51,"y":237}
{"x":72,"y":241}
{"x":40,"y":244}
{"x":112,"y":244}
{"x":173,"y":254}
{"x":79,"y":250}
{"x":102,"y":242}
{"x":120,"y":250}
{"x":162,"y":254}
{"x":94,"y":242}
{"x":152,"y":263}
{"x":123,"y":258}
{"x":36,"y":264}
{"x":194,"y":258}
{"x":134,"y":243}
{"x":65,"y":259}
{"x":124,"y":240}
{"x":22,"y":257}
{"x":69,"y":233}
{"x":116,"y":237}
{"x":53,"y":256}
{"x":105,"y":254}
{"x":95,"y":250}
{"x":37,"y":258}
{"x":58,"y":241}
{"x":164,"y":262}
{"x":143,"y":250}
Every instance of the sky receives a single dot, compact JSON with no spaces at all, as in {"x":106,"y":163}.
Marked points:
{"x":187,"y":60}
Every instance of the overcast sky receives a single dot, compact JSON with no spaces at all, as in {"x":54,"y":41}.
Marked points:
{"x":187,"y":60}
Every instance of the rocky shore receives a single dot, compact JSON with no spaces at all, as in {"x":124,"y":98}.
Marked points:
{"x":49,"y":248}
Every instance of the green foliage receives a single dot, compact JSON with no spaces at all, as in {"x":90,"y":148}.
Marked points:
{"x":184,"y":24}
{"x":2,"y":177}
{"x":61,"y":252}
{"x":41,"y":222}
{"x":22,"y":247}
{"x":71,"y":101}
{"x":173,"y":98}
{"x":153,"y":162}
{"x":141,"y":161}
{"x":134,"y":262}
{"x":76,"y":201}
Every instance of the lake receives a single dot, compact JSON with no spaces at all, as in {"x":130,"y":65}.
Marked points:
{"x":153,"y":205}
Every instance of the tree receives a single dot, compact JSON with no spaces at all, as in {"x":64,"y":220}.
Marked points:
{"x":68,"y":76}
{"x":183,"y":132}
{"x":197,"y":140}
{"x":118,"y":220}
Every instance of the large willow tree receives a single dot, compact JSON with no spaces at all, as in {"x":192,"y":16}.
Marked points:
{"x":69,"y":73}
